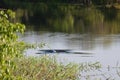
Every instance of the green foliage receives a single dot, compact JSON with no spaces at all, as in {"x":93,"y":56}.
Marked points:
{"x":85,"y":2}
{"x":10,"y":47}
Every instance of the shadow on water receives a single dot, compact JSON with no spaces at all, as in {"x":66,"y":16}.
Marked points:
{"x":60,"y":51}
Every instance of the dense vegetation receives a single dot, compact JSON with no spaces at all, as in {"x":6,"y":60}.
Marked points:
{"x":85,"y":2}
{"x":10,"y":47}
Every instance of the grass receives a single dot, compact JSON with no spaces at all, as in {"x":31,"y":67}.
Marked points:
{"x":44,"y":68}
{"x":48,"y":68}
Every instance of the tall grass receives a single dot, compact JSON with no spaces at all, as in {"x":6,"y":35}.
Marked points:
{"x":49,"y":68}
{"x":44,"y":68}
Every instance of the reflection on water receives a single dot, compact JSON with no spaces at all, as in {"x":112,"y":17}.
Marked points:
{"x":94,"y":30}
{"x":73,"y":41}
{"x":71,"y":19}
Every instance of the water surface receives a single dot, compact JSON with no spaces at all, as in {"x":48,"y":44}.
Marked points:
{"x":88,"y":30}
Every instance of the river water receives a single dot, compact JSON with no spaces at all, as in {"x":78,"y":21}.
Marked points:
{"x":101,"y":48}
{"x":89,"y":30}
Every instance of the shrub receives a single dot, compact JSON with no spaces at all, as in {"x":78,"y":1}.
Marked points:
{"x":10,"y":47}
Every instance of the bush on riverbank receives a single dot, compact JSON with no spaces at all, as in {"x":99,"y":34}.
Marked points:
{"x":10,"y":47}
